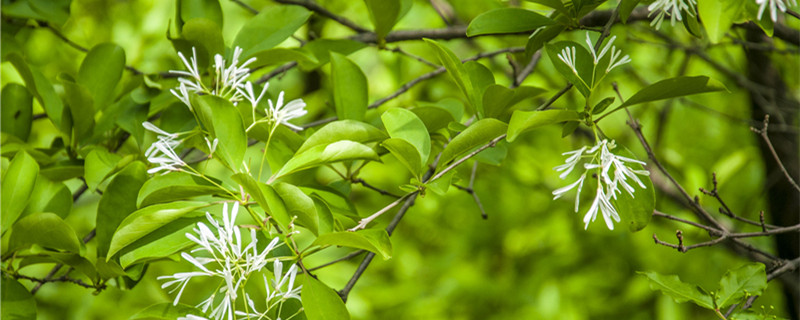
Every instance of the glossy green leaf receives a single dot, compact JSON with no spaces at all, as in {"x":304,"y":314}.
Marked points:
{"x":166,"y":311}
{"x":163,"y":242}
{"x":100,"y":72}
{"x":718,"y":16}
{"x":636,"y":210}
{"x":320,"y":302}
{"x":404,"y":124}
{"x":81,"y":107}
{"x":506,"y":20}
{"x":434,"y":118}
{"x":224,"y":123}
{"x":41,"y":88}
{"x":678,"y":290}
{"x":385,"y":14}
{"x":190,"y":9}
{"x":16,"y":111}
{"x":266,"y":197}
{"x":18,"y":303}
{"x":174,"y":186}
{"x":269,"y":28}
{"x":77,"y":262}
{"x":324,"y":215}
{"x":118,"y":201}
{"x":747,"y":280}
{"x":674,"y":88}
{"x":373,"y":240}
{"x":343,"y":130}
{"x":477,"y":134}
{"x":50,"y":196}
{"x":299,"y":205}
{"x":18,"y":182}
{"x":349,"y":88}
{"x":325,"y":154}
{"x":498,"y":100}
{"x":542,"y":36}
{"x":481,"y":78}
{"x":602,"y":105}
{"x":584,"y":64}
{"x":522,"y":121}
{"x":205,"y":35}
{"x":29,"y":230}
{"x":98,"y":165}
{"x":148,"y":219}
{"x":63,"y":170}
{"x":456,"y":70}
{"x":405,"y":153}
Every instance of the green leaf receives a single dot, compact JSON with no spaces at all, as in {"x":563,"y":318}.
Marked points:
{"x":405,"y":153}
{"x":349,"y":88}
{"x":16,"y":111}
{"x":49,"y":196}
{"x":190,"y":9}
{"x":343,"y":130}
{"x":174,"y":186}
{"x":162,"y":242}
{"x":99,"y":164}
{"x":75,"y":261}
{"x":678,"y":290}
{"x":637,"y":209}
{"x":118,"y":201}
{"x":497,"y":99}
{"x":456,"y":70}
{"x":29,"y":230}
{"x":433,"y":117}
{"x":100,"y":72}
{"x":321,"y":49}
{"x":384,"y":14}
{"x":506,"y":20}
{"x":718,"y":16}
{"x":269,"y":28}
{"x":625,"y":9}
{"x":522,"y":121}
{"x":18,"y":303}
{"x":276,"y":56}
{"x":299,"y":205}
{"x":41,"y":88}
{"x":404,"y":124}
{"x":81,"y":107}
{"x":148,"y":219}
{"x":166,"y":311}
{"x":373,"y":240}
{"x":266,"y":197}
{"x":673,"y":88}
{"x":602,"y":105}
{"x":205,"y":35}
{"x":320,"y":302}
{"x":18,"y":182}
{"x":324,"y":214}
{"x":223,"y":122}
{"x":325,"y":154}
{"x":63,"y":170}
{"x":477,"y":134}
{"x":584,"y":63}
{"x":747,"y":280}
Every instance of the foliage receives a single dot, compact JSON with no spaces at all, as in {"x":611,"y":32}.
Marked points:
{"x":126,"y":158}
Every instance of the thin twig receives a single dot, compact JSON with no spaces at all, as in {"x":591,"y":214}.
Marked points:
{"x":345,"y":258}
{"x":369,"y":186}
{"x":763,"y":133}
{"x":313,"y":6}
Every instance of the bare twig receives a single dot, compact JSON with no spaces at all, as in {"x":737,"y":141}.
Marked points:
{"x":369,"y":186}
{"x":345,"y":258}
{"x":313,"y":6}
{"x":763,"y":133}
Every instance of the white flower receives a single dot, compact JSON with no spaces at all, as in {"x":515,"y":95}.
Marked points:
{"x":671,"y":8}
{"x":281,"y":114}
{"x":225,"y":257}
{"x":612,"y":172}
{"x":228,"y":78}
{"x":774,"y":6}
{"x":192,"y":317}
{"x":162,"y":151}
{"x":568,"y":56}
{"x":212,"y":146}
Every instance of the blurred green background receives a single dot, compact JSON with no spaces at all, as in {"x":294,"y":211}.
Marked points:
{"x":532,"y":258}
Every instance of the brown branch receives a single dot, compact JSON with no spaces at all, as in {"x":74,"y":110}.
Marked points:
{"x":369,"y":186}
{"x":763,"y":133}
{"x":313,"y":6}
{"x":345,"y":258}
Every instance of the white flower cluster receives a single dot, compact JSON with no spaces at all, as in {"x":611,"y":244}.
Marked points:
{"x":226,"y":257}
{"x":612,"y":172}
{"x":774,"y":6}
{"x":231,"y":83}
{"x":672,"y":9}
{"x":162,"y":152}
{"x":568,"y":55}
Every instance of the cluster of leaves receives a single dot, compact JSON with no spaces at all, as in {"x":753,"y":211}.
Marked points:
{"x":99,"y":142}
